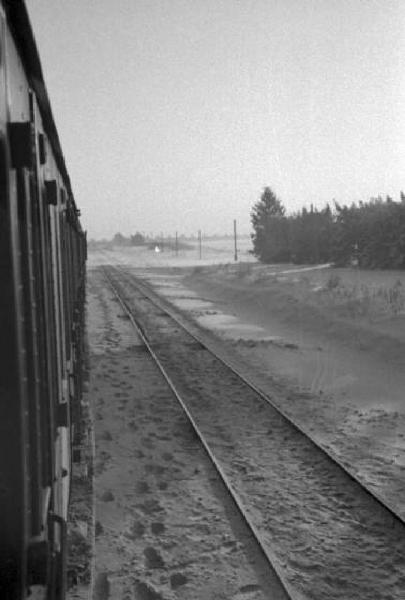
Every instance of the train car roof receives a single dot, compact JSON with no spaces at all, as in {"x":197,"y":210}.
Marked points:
{"x":20,"y":26}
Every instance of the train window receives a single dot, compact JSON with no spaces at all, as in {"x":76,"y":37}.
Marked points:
{"x":42,"y":148}
{"x":51,"y":192}
{"x":20,"y":144}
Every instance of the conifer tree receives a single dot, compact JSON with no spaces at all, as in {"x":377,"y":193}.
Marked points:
{"x":270,"y":237}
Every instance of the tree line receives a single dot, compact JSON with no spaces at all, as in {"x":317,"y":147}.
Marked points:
{"x":369,"y":234}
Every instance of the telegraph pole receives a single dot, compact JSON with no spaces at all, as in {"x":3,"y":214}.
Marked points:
{"x":177,"y":244}
{"x":199,"y":244}
{"x":235,"y":240}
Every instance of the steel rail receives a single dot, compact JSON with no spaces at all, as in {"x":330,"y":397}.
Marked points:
{"x":161,"y":304}
{"x":267,"y":553}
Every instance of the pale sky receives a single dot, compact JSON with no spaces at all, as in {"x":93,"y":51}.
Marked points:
{"x":174,"y":114}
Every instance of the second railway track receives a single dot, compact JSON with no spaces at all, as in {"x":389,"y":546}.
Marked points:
{"x":326,"y":534}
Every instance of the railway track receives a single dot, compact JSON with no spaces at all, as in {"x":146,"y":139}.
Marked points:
{"x":171,"y":529}
{"x":280,"y":589}
{"x":323,"y":532}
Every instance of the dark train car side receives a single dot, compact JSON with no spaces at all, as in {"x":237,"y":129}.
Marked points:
{"x":42,"y":273}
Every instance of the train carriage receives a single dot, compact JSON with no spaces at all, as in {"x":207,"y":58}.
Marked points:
{"x":42,"y":273}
